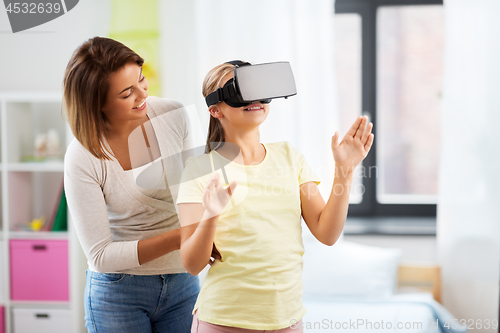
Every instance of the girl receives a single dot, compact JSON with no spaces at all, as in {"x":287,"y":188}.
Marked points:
{"x":129,"y":233}
{"x":255,"y":223}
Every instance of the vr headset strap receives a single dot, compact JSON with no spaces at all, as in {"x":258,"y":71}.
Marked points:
{"x":220,"y":95}
{"x":227,"y":91}
{"x":237,"y":63}
{"x":214,"y":98}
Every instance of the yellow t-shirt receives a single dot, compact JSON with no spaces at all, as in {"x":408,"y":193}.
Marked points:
{"x":257,"y":284}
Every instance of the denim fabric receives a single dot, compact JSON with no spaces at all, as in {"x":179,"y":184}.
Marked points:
{"x":124,"y":303}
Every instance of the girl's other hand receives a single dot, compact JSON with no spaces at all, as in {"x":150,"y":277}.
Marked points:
{"x":216,"y":197}
{"x":354,"y":147}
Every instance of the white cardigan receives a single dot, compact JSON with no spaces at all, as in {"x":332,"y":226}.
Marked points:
{"x":110,"y":213}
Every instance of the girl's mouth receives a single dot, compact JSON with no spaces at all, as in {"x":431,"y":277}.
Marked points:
{"x":254,"y":107}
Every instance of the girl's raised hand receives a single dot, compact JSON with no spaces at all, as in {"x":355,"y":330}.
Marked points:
{"x":216,"y":197}
{"x":355,"y":145}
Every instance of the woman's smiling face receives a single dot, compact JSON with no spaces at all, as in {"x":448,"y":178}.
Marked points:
{"x":241,"y":117}
{"x":126,"y":99}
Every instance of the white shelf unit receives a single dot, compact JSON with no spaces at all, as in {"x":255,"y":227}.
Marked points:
{"x":29,"y":190}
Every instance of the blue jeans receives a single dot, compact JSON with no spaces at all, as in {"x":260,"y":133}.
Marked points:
{"x":124,"y":303}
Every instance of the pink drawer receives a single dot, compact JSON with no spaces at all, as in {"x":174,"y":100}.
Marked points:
{"x":39,"y":270}
{"x":2,"y":319}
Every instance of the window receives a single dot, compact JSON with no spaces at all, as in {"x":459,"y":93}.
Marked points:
{"x":389,"y":65}
{"x":348,"y":72}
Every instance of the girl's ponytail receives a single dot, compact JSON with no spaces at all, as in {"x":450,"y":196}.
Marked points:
{"x":215,"y":137}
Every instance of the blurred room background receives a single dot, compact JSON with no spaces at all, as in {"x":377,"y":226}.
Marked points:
{"x":425,"y":72}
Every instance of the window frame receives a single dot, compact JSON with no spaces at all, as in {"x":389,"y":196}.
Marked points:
{"x":367,"y":9}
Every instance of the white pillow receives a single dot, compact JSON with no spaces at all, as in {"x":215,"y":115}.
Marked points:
{"x":348,"y":269}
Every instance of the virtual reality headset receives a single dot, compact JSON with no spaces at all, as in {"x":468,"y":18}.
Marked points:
{"x":252,"y":83}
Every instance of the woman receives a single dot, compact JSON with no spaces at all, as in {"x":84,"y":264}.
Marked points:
{"x":256,"y":285}
{"x":129,"y":233}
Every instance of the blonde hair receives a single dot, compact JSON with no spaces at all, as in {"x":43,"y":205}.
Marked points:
{"x":86,"y":87}
{"x":215,"y":137}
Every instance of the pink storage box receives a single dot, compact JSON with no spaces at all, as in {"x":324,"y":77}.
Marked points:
{"x":2,"y":319}
{"x":39,"y":270}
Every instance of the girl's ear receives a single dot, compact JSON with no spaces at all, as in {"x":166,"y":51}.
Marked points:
{"x":215,"y":112}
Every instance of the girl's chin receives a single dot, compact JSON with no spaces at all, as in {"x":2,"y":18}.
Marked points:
{"x":251,"y":124}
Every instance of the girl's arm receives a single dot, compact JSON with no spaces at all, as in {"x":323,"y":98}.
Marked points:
{"x":326,"y":221}
{"x":198,"y":222}
{"x":157,"y":246}
{"x":196,"y":238}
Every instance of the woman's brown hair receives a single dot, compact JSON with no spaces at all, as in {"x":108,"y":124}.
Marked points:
{"x":215,"y":137}
{"x":86,"y":86}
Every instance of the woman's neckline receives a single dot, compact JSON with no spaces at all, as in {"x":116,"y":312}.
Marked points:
{"x":142,"y":166}
{"x":247,"y":165}
{"x":116,"y":160}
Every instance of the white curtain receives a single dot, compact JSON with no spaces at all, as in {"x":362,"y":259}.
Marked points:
{"x":468,"y":223}
{"x":197,"y":35}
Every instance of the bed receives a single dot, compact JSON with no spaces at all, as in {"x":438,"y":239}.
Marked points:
{"x":351,"y":287}
{"x":413,"y":313}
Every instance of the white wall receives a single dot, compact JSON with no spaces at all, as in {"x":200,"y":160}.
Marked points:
{"x":468,"y":221}
{"x":35,"y":59}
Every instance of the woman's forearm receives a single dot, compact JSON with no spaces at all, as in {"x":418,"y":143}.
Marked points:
{"x":332,"y":219}
{"x":197,"y":248}
{"x":157,"y":246}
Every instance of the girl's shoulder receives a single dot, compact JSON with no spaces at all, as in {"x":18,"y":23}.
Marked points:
{"x":282,"y":147}
{"x":285,"y":153}
{"x":200,"y":165}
